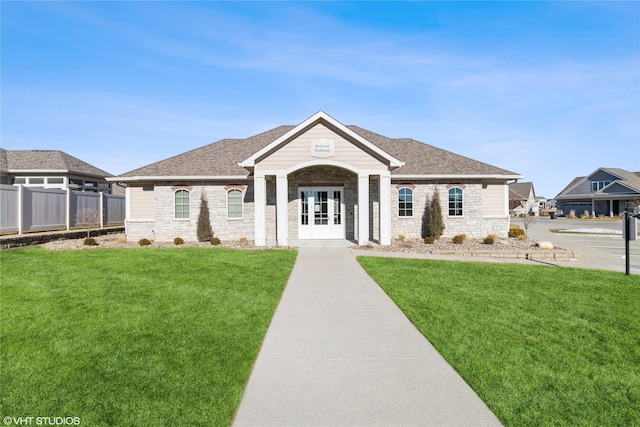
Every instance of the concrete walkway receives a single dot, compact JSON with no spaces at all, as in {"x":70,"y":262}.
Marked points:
{"x":340,"y":353}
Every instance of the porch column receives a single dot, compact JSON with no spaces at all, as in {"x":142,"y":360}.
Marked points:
{"x":282,"y":217}
{"x":385,"y":208}
{"x":611,"y":208}
{"x":260,"y":204}
{"x":363,"y":209}
{"x":593,"y":207}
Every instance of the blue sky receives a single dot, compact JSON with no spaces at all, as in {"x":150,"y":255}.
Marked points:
{"x":550,"y":90}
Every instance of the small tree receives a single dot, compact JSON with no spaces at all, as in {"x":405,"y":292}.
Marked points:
{"x":528,"y":221}
{"x":435,"y":224}
{"x":204,"y":225}
{"x":89,"y":218}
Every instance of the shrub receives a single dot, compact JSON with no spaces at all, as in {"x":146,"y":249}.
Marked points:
{"x":121,"y":239}
{"x":490,"y":239}
{"x":459,"y":238}
{"x":204,"y":231}
{"x":402,"y":237}
{"x":215,"y":241}
{"x":243,"y":240}
{"x":585,"y":214}
{"x":572,"y":214}
{"x":144,"y":242}
{"x":89,"y":241}
{"x":178,"y":241}
{"x":516,"y":232}
{"x":435,"y":224}
{"x":429,"y":240}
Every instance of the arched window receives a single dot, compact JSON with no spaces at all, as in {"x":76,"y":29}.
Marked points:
{"x":405,"y":201}
{"x":234,"y":204}
{"x":181,"y":199}
{"x":455,"y":201}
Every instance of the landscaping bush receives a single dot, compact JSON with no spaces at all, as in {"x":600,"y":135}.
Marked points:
{"x":215,"y":241}
{"x":572,"y":214}
{"x":585,"y":214}
{"x":243,"y":240}
{"x":144,"y":242}
{"x":122,"y":240}
{"x":490,"y":239}
{"x":435,"y":224}
{"x":204,"y":231}
{"x":516,"y":232}
{"x":89,"y":241}
{"x":429,"y":240}
{"x":178,"y":241}
{"x":459,"y":238}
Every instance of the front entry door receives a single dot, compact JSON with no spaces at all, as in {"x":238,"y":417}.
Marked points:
{"x":321,"y":213}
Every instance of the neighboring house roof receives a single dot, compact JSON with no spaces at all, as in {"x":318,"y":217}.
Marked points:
{"x":521,"y":191}
{"x":620,"y":178}
{"x":223,"y":158}
{"x":46,"y":161}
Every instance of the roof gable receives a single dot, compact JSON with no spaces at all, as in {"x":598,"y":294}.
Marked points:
{"x":521,"y":191}
{"x":321,"y":118}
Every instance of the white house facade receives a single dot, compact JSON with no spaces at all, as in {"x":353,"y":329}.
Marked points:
{"x":317,"y":180}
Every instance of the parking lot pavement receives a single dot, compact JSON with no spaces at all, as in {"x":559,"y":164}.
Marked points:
{"x":597,"y":248}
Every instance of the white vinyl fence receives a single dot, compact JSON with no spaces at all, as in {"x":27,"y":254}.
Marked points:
{"x":25,"y":209}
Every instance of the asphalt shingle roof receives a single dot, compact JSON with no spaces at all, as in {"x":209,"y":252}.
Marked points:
{"x":520,"y":190}
{"x":221,"y":158}
{"x":51,"y":160}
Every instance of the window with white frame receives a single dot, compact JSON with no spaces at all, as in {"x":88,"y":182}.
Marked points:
{"x":405,"y":202}
{"x":455,"y":201}
{"x":181,"y":198}
{"x":234,"y":204}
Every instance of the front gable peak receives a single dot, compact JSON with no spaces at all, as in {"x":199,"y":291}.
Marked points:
{"x":324,"y":146}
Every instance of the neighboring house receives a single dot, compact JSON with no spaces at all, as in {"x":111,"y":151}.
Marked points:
{"x":51,"y":169}
{"x":522,"y":199}
{"x":317,"y":180}
{"x":606,"y":191}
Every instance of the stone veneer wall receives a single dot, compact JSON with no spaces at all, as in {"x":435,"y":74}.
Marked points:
{"x":472,"y":223}
{"x":165,"y":227}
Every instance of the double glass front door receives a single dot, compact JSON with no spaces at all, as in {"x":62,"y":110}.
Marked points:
{"x":321,"y":213}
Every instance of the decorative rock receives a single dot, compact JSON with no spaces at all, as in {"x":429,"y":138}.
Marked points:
{"x":544,"y":245}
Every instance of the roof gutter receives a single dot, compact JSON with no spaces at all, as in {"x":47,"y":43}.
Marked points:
{"x":178,"y":178}
{"x":452,"y":176}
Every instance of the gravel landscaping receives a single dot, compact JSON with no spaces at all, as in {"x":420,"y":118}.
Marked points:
{"x":443,"y":245}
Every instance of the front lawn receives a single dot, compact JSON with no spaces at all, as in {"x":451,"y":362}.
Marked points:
{"x":134,"y":336}
{"x":541,"y":346}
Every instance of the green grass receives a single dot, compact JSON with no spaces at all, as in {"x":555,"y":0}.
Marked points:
{"x":134,"y":336}
{"x":542,"y":346}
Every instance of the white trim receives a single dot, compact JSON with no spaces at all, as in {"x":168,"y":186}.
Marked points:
{"x":178,"y":178}
{"x":174,"y":204}
{"x":461,"y":201}
{"x":412,"y":200}
{"x":320,"y":116}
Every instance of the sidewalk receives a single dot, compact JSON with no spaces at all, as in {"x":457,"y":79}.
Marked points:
{"x":339,"y":352}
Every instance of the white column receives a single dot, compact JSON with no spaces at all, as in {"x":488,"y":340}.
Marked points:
{"x":385,"y":208}
{"x":363,"y":209}
{"x":282,"y":217}
{"x":611,"y":208}
{"x":67,"y":213}
{"x":260,"y":205}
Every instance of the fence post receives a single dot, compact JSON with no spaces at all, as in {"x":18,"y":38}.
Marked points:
{"x":102,"y":196}
{"x":68,"y":209}
{"x":20,"y":210}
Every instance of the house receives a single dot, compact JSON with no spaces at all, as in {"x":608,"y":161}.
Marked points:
{"x":51,"y":169}
{"x":605,"y":191}
{"x":522,"y":199}
{"x":320,"y":179}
